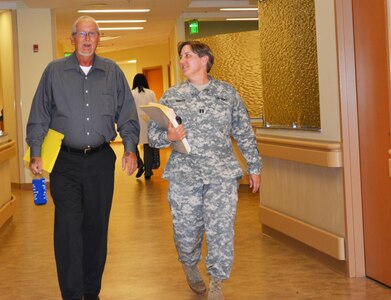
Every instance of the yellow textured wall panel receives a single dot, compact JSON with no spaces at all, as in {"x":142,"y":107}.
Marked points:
{"x":289,"y":63}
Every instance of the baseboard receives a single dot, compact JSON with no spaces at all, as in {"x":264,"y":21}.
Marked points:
{"x":7,"y":211}
{"x":339,"y":266}
{"x":319,"y":239}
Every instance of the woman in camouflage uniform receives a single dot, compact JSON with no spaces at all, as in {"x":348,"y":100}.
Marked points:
{"x":203,"y":189}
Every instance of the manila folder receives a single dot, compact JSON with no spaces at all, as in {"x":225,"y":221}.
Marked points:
{"x":162,"y":114}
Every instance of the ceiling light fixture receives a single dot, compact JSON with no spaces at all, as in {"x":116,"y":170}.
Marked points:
{"x":131,"y":61}
{"x":108,"y":38}
{"x":121,"y":28}
{"x":242,"y":19}
{"x":113,"y":10}
{"x":120,"y":21}
{"x":240,"y":9}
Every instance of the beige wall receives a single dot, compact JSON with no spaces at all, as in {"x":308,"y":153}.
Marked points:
{"x":34,"y":27}
{"x":130,"y":70}
{"x":177,"y":36}
{"x":309,"y":193}
{"x":173,"y":57}
{"x":149,"y":56}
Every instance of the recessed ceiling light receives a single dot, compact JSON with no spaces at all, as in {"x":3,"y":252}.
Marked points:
{"x":121,"y":21}
{"x":108,"y":38}
{"x":121,"y":28}
{"x":242,"y":19}
{"x":126,"y":62}
{"x":112,"y":10}
{"x":240,"y":9}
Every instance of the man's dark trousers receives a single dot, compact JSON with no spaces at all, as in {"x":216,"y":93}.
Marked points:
{"x":82,"y":189}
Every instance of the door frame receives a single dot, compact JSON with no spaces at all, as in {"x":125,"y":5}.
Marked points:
{"x":388,"y":4}
{"x":350,"y":138}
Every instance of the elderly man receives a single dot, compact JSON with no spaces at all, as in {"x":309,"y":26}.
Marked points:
{"x":83,"y":96}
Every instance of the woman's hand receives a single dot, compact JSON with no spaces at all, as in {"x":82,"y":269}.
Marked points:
{"x":254,"y":182}
{"x":175,"y":134}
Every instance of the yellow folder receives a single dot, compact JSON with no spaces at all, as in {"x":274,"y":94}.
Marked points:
{"x":50,"y":149}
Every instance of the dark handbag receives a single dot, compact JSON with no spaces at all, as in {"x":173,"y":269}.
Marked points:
{"x":156,"y":158}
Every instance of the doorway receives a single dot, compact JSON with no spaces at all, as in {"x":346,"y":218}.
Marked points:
{"x":155,"y":80}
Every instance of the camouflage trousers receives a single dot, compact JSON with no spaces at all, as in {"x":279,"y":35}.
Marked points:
{"x":205,"y":208}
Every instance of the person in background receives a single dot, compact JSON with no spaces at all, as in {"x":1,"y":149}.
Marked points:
{"x":143,"y":95}
{"x":83,"y":96}
{"x":203,"y":185}
{"x":1,"y":120}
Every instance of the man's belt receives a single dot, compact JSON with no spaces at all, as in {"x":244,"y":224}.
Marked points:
{"x":84,"y":151}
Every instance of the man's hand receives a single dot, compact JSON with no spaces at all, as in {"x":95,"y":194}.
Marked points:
{"x":175,"y":134}
{"x":129,"y":162}
{"x":254,"y":182}
{"x":36,"y":165}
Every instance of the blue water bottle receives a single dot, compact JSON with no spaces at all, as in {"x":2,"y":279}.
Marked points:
{"x":39,"y":190}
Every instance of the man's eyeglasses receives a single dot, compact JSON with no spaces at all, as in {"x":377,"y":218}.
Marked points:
{"x":83,"y":34}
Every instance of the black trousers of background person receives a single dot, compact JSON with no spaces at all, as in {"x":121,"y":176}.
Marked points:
{"x":148,"y":159}
{"x":82,"y":187}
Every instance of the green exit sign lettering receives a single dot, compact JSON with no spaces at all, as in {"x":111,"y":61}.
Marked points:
{"x":193,"y":26}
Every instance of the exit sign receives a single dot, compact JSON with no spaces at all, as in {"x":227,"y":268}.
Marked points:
{"x":193,"y":26}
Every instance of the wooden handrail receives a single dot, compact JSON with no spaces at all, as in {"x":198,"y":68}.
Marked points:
{"x":321,"y":153}
{"x":7,"y":150}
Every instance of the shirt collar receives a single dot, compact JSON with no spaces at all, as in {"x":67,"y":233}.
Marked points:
{"x":73,"y":63}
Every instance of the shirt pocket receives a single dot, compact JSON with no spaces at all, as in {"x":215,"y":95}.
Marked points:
{"x":107,"y":103}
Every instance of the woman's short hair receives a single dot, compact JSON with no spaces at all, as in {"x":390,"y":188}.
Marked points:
{"x":200,"y":49}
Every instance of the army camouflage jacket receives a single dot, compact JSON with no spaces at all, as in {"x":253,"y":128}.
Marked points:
{"x":210,"y":118}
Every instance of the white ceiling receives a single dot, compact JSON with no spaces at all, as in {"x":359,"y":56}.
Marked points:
{"x":160,"y":20}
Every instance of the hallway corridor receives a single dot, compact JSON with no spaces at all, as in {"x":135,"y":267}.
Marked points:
{"x":142,"y":262}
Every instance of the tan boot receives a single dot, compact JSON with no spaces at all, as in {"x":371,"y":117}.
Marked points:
{"x":215,"y":289}
{"x":194,"y":279}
